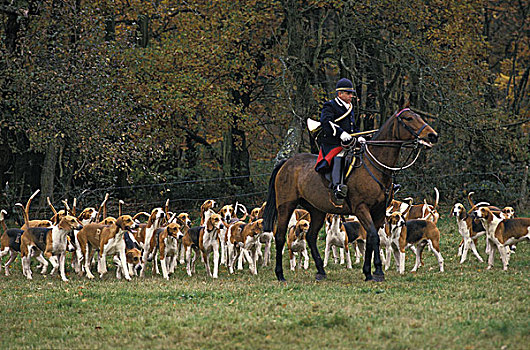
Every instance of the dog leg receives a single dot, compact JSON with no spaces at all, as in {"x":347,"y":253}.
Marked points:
{"x":182,"y":254}
{"x":240,"y":260}
{"x":230,"y":257}
{"x":164,"y":268}
{"x":195,"y":253}
{"x":55,"y":264}
{"x":12,"y":257}
{"x":467,"y":243}
{"x":62,"y":263}
{"x":257,"y":250}
{"x":188,"y":261}
{"x":206,"y":262}
{"x":267,"y":248}
{"x":215,"y":261}
{"x":249,"y":259}
{"x":123,"y":260}
{"x":435,"y":247}
{"x":306,"y":259}
{"x":341,"y":253}
{"x":292,"y":259}
{"x":389,"y":252}
{"x":401,"y":265}
{"x":475,"y":251}
{"x":79,"y":257}
{"x":102,"y":264}
{"x":88,"y":259}
{"x":26,"y":261}
{"x":172,"y":264}
{"x":491,"y":253}
{"x":382,"y":253}
{"x":4,"y":252}
{"x":359,"y":251}
{"x":419,"y":250}
{"x":223,"y":250}
{"x":348,"y":257}
{"x":26,"y":264}
{"x":40,"y":258}
{"x":488,"y":245}
{"x":326,"y":253}
{"x":116,"y":261}
{"x":335,"y":254}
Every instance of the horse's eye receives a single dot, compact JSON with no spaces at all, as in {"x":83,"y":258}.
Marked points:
{"x":407,"y":118}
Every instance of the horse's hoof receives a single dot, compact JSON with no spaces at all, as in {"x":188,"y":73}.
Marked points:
{"x":368,"y":278}
{"x":379,"y":278}
{"x":320,"y":277}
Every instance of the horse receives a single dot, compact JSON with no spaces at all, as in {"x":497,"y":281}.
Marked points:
{"x":294,"y":182}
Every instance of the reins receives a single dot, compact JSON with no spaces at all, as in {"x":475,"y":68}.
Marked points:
{"x":389,"y":143}
{"x":396,"y":143}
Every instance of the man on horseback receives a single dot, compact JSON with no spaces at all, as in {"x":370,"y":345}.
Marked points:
{"x":338,"y":123}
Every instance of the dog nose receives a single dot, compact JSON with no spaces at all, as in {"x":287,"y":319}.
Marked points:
{"x":433,"y":138}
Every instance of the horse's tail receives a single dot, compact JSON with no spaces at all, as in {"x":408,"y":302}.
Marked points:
{"x":271,"y":213}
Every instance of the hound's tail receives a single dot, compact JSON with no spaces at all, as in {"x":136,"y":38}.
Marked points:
{"x":271,"y":213}
{"x":25,"y":213}
{"x":29,"y":202}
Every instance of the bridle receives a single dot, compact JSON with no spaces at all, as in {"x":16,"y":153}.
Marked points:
{"x":416,"y":134}
{"x":414,"y":144}
{"x":397,"y":143}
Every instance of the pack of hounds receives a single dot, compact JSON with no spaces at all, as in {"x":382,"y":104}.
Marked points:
{"x":166,"y":239}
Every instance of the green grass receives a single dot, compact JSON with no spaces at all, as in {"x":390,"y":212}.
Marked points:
{"x":466,"y":307}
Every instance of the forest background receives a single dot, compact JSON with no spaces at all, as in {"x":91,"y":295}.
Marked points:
{"x":192,"y":100}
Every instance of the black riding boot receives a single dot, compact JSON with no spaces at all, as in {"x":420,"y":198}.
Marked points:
{"x":340,"y":190}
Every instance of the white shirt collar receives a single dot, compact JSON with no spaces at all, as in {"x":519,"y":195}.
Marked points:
{"x":342,"y":103}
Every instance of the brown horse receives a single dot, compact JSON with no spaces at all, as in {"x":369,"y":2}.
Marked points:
{"x":295,"y":182}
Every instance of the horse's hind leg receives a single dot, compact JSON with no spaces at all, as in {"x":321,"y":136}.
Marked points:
{"x":284,"y":214}
{"x":317,"y":220}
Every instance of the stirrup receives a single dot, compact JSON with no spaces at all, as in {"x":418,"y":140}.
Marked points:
{"x":340,"y":191}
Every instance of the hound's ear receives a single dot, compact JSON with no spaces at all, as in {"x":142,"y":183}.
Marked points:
{"x":209,"y":225}
{"x":501,"y":215}
{"x":180,"y":221}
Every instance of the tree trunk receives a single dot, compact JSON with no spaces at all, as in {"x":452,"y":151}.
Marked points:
{"x":47,"y":177}
{"x":143,"y":31}
{"x":303,"y":56}
{"x":236,"y":158}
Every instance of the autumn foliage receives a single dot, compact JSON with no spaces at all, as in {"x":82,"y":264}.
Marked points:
{"x":110,"y":96}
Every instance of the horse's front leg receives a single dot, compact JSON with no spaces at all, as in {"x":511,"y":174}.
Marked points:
{"x":372,"y":247}
{"x":317,"y":220}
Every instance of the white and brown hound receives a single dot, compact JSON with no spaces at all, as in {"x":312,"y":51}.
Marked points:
{"x":243,"y":240}
{"x":502,"y":233}
{"x":204,"y":239}
{"x":297,"y":244}
{"x":413,"y":232}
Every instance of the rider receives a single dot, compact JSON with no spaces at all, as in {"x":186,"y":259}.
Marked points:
{"x":338,"y":123}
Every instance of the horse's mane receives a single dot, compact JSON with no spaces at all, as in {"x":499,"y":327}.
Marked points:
{"x":384,"y":126}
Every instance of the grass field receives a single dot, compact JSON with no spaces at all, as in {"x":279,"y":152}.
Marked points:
{"x":466,"y":307}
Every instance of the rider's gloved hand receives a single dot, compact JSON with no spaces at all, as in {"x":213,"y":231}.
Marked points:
{"x":361,"y":139}
{"x":345,"y":137}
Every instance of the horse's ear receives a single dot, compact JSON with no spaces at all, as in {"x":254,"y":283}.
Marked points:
{"x":404,"y":102}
